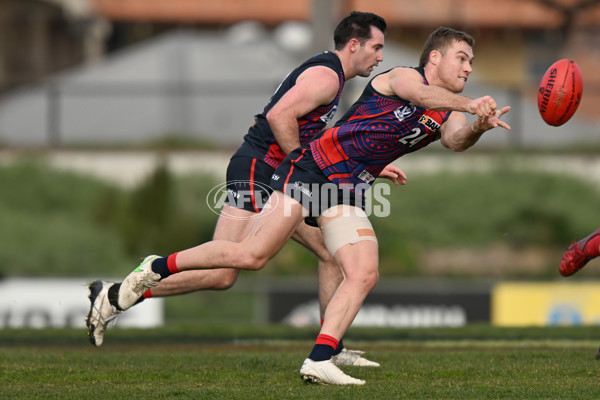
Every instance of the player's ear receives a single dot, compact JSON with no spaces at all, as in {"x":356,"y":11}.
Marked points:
{"x":435,"y":57}
{"x":354,"y":45}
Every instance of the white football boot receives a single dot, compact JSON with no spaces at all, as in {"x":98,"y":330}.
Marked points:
{"x":353,"y":358}
{"x":137,"y":283}
{"x":326,"y":373}
{"x":101,"y":312}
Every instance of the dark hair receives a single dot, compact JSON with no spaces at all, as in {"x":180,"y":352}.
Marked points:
{"x":357,"y":25}
{"x":440,"y":40}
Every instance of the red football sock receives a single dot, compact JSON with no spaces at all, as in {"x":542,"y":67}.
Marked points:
{"x":172,"y":264}
{"x":592,"y":248}
{"x":327,"y":340}
{"x":324,"y":348}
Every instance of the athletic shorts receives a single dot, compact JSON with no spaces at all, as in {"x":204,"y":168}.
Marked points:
{"x":299,"y":177}
{"x":248,"y":183}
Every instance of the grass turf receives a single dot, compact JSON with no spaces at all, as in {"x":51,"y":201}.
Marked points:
{"x":262,"y":362}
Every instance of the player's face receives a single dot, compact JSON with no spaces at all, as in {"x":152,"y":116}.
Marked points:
{"x":370,"y":53}
{"x":455,"y":68}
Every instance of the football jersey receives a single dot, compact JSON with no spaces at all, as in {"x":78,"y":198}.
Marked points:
{"x":260,"y":142}
{"x":375,"y":131}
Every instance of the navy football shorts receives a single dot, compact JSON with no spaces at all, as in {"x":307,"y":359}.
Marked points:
{"x":248,"y":183}
{"x":299,"y":176}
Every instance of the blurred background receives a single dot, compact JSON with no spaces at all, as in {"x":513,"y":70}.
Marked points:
{"x":117,"y":117}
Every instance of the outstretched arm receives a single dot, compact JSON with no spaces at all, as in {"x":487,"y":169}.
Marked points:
{"x":407,"y":84}
{"x":457,"y":135}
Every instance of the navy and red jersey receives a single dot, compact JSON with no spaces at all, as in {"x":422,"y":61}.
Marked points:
{"x":375,"y":131}
{"x":260,"y":142}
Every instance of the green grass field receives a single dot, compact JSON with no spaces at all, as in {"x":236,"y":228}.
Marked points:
{"x":262,"y":362}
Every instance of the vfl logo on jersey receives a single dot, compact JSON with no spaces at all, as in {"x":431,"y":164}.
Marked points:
{"x":404,"y":112}
{"x":429,"y":123}
{"x":329,"y":116}
{"x":366,"y":177}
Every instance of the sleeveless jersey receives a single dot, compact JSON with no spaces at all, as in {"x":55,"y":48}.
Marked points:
{"x":260,"y":142}
{"x":375,"y":131}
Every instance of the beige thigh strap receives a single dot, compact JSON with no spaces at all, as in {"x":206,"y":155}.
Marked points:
{"x":347,"y":229}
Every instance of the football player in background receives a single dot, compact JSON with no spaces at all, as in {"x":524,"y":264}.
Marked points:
{"x":579,"y":253}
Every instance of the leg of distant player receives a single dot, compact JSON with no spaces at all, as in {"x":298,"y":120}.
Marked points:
{"x":580,"y":253}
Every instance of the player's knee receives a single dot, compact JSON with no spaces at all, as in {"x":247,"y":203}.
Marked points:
{"x":253,"y":262}
{"x":227,"y":279}
{"x":366,"y":278}
{"x":248,"y":258}
{"x":370,"y":279}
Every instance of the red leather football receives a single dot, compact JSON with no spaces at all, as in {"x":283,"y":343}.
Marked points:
{"x":560,"y":92}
